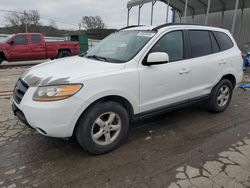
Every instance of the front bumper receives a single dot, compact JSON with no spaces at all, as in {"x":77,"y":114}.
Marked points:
{"x":18,"y":113}
{"x":54,"y":119}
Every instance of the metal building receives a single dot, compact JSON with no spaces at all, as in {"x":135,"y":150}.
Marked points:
{"x":230,"y":14}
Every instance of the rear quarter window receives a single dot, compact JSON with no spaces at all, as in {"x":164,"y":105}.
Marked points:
{"x":224,"y":40}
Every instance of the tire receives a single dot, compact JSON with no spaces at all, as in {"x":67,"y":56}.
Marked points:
{"x":221,"y":96}
{"x":93,"y":137}
{"x":1,"y":60}
{"x":63,"y":54}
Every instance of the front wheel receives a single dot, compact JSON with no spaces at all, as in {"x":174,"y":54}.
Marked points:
{"x":221,"y":96}
{"x":103,"y":128}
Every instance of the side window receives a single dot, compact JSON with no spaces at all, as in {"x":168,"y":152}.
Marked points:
{"x":20,"y":39}
{"x":171,"y":43}
{"x":215,"y":45}
{"x":224,"y":40}
{"x":36,"y":38}
{"x":200,"y":43}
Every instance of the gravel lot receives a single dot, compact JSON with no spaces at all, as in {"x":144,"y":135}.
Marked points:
{"x":186,"y":148}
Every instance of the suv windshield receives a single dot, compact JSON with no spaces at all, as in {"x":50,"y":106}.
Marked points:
{"x":121,"y":46}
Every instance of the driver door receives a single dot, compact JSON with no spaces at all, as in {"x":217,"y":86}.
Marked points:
{"x":165,"y":84}
{"x":19,"y":50}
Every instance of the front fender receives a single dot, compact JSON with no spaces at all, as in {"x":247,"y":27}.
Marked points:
{"x":108,"y":93}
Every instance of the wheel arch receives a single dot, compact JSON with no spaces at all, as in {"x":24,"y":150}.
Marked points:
{"x":231,"y":78}
{"x":64,"y":49}
{"x":112,"y":98}
{"x":2,"y":55}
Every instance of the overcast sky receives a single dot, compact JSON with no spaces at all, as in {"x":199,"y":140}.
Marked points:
{"x":113,"y":12}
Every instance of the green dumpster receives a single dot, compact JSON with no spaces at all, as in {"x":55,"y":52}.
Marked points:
{"x":82,"y":38}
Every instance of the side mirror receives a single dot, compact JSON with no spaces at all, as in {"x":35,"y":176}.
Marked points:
{"x":155,"y":58}
{"x":11,"y":42}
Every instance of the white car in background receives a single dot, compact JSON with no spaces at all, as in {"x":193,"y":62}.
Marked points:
{"x":135,"y":73}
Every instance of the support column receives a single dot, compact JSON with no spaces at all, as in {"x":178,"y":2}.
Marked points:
{"x":208,"y":9}
{"x":173,"y":15}
{"x":167,"y":12}
{"x":139,"y":14}
{"x":128,"y":16}
{"x":185,"y":13}
{"x":235,"y":16}
{"x":222,"y":18}
{"x":152,"y":12}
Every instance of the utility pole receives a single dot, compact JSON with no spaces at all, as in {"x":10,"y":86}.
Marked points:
{"x":25,"y":20}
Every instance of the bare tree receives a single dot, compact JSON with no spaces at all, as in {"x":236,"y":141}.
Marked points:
{"x":33,"y":17}
{"x":23,"y":18}
{"x":93,"y":22}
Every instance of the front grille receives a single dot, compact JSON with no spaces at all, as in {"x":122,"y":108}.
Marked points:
{"x":19,"y":91}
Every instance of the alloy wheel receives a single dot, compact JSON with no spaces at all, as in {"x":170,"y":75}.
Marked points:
{"x":106,"y":128}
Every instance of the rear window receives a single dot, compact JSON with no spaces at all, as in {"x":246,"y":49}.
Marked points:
{"x":35,"y":38}
{"x":224,"y":40}
{"x":200,"y":43}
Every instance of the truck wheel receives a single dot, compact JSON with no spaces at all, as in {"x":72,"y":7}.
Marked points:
{"x":221,"y":96}
{"x":63,"y":54}
{"x":103,"y":128}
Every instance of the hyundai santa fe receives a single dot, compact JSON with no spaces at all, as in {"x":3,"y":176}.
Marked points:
{"x":135,"y":73}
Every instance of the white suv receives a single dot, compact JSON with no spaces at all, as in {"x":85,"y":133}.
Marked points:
{"x":135,"y":73}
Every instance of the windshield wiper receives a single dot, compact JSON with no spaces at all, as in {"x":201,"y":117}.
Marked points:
{"x":97,"y":57}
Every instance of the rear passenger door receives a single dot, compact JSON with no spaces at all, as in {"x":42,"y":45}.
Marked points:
{"x":37,"y":47}
{"x":207,"y":64}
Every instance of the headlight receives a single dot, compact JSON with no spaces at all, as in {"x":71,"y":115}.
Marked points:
{"x":55,"y":93}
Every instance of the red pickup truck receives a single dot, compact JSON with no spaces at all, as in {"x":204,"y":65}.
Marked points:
{"x":32,"y":46}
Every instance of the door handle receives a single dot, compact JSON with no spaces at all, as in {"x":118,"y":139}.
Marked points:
{"x":184,"y":71}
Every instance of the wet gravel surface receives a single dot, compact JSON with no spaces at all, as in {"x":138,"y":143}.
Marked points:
{"x":170,"y":150}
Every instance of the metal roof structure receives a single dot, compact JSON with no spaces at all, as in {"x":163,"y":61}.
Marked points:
{"x":194,"y":7}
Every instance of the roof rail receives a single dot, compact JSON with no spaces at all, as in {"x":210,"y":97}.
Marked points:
{"x":173,"y":24}
{"x":131,"y":26}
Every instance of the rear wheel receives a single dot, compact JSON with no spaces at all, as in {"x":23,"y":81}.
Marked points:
{"x":63,"y":54}
{"x":220,"y":96}
{"x":103,"y":128}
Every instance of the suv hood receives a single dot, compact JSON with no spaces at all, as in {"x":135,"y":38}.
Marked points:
{"x":67,"y":70}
